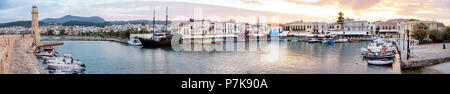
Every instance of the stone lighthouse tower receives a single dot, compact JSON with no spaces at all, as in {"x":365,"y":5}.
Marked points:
{"x":35,"y":26}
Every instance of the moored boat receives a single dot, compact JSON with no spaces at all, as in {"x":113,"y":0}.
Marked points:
{"x":379,"y":49}
{"x":353,"y":41}
{"x":156,"y":41}
{"x":62,"y":65}
{"x":313,"y":40}
{"x":380,"y":62}
{"x":134,"y":41}
{"x":341,"y":40}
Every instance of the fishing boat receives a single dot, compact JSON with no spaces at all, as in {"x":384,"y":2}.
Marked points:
{"x":324,"y":40}
{"x":44,"y":53}
{"x":353,"y":41}
{"x":57,"y":59}
{"x":313,"y":40}
{"x":379,"y":49}
{"x":341,"y":40}
{"x":380,"y":62}
{"x":134,"y":41}
{"x":64,"y":63}
{"x":66,"y":71}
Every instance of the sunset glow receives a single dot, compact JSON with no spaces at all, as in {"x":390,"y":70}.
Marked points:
{"x":307,"y":10}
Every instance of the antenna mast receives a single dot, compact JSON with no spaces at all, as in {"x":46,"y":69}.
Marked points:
{"x":153,"y":20}
{"x":167,"y":17}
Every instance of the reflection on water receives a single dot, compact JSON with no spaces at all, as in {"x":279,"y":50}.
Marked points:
{"x":103,"y":57}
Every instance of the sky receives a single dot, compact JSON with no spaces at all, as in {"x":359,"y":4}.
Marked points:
{"x":276,"y":11}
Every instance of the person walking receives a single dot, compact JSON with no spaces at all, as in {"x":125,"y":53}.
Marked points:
{"x":443,"y":45}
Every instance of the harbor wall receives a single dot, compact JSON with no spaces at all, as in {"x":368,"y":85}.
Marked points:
{"x":428,"y":55}
{"x":16,"y":45}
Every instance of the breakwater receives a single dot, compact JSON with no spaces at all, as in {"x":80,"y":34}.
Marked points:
{"x":82,"y":38}
{"x":17,"y":55}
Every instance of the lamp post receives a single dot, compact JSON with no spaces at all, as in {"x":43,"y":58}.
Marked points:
{"x":403,"y":42}
{"x":407,"y":57}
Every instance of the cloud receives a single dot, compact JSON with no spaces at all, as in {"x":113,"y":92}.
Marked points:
{"x":313,"y":10}
{"x":359,"y":4}
{"x":353,"y":4}
{"x":428,"y":10}
{"x":252,"y":2}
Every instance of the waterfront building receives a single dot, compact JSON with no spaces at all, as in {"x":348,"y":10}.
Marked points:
{"x":432,"y":25}
{"x":300,"y":28}
{"x":275,"y":29}
{"x":334,"y":28}
{"x":387,"y":28}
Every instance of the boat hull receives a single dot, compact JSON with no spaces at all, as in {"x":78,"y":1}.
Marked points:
{"x":154,"y":43}
{"x":64,"y":66}
{"x":381,"y":63}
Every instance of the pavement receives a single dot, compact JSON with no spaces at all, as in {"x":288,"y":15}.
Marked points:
{"x":25,"y":62}
{"x":426,"y":52}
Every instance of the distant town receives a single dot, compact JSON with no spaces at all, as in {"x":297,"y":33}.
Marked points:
{"x":344,"y":26}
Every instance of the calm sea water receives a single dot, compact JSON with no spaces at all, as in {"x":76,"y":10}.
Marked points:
{"x":104,"y":57}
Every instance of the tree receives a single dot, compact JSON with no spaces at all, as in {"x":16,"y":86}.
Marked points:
{"x":143,"y":31}
{"x":50,"y":32}
{"x":142,"y":23}
{"x":340,"y":18}
{"x":436,"y":35}
{"x":446,"y":33}
{"x":420,"y":32}
{"x":62,"y":32}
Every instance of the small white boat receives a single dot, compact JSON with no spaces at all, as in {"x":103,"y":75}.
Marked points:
{"x":380,"y":62}
{"x":341,"y":40}
{"x":46,"y":53}
{"x":65,"y":71}
{"x":324,"y":40}
{"x":67,"y":58}
{"x":313,"y":40}
{"x":62,"y":65}
{"x":134,"y":42}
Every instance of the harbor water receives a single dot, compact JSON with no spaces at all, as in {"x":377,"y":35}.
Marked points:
{"x":280,"y":57}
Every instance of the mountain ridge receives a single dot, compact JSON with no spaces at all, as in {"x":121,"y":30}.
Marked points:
{"x":67,"y":18}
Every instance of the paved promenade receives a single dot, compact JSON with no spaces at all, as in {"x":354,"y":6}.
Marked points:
{"x":423,"y":55}
{"x":24,"y":61}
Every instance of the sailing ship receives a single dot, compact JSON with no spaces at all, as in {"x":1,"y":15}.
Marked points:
{"x":159,"y":39}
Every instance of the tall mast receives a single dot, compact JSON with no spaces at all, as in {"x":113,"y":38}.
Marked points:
{"x":154,"y":20}
{"x":167,"y":17}
{"x":257,"y":25}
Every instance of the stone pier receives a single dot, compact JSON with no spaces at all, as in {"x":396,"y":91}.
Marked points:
{"x":423,"y":55}
{"x":17,"y":55}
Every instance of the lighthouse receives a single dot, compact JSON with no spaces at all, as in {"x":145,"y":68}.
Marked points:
{"x":35,"y":26}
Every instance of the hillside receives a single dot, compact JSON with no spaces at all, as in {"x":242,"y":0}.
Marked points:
{"x":21,"y":23}
{"x":94,"y":19}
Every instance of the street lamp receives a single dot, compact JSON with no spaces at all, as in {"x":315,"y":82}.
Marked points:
{"x":408,"y":52}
